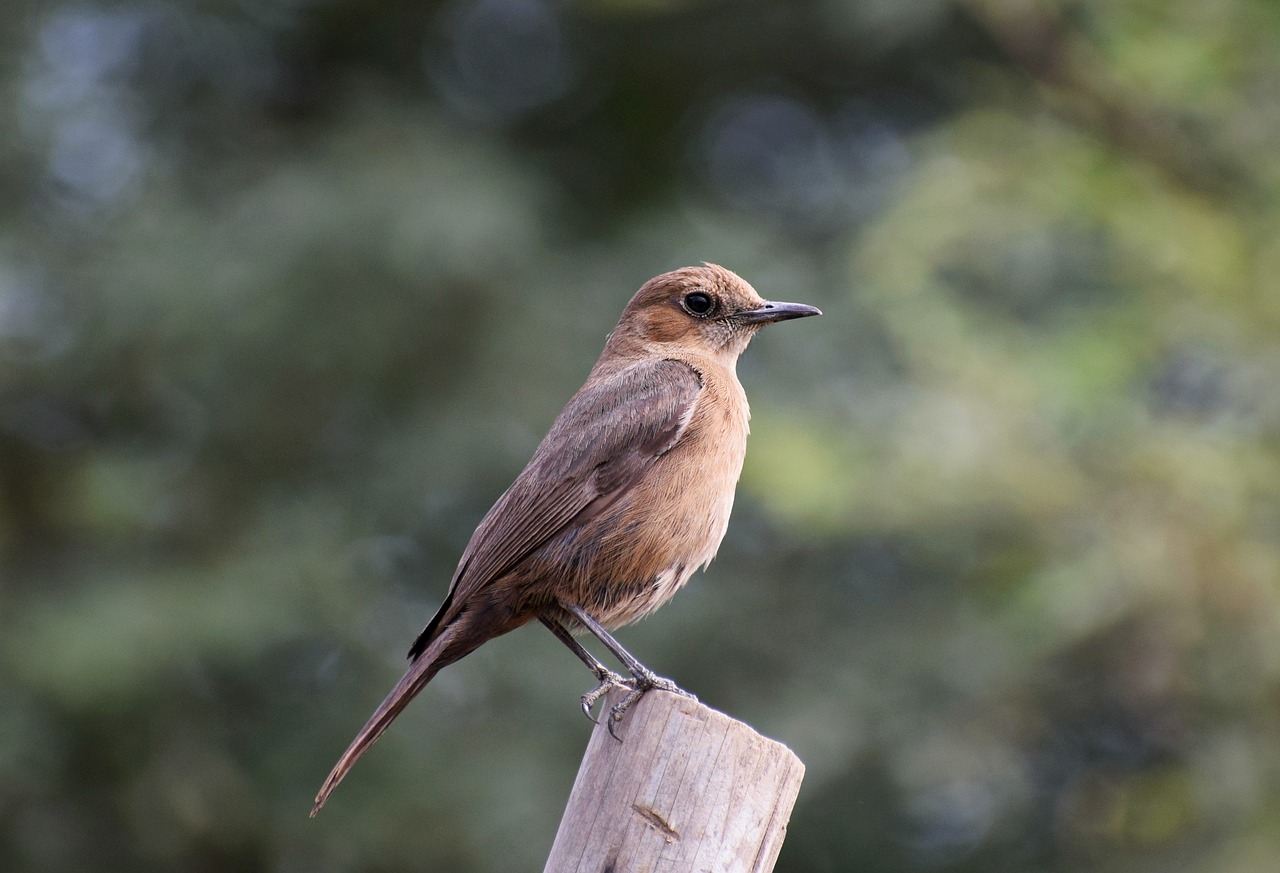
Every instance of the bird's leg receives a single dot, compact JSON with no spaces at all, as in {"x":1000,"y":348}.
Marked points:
{"x":643,"y":680}
{"x":606,"y":677}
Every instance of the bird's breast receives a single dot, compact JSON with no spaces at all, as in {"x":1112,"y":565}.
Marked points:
{"x":671,"y":523}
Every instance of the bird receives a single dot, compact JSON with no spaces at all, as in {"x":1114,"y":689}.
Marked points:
{"x":624,"y":499}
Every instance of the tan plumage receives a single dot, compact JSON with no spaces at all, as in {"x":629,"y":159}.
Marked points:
{"x":625,"y":497}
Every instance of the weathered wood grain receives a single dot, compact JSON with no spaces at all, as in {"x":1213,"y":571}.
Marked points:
{"x":688,"y":790}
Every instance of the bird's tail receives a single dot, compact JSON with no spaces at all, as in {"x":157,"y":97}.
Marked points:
{"x":420,"y":672}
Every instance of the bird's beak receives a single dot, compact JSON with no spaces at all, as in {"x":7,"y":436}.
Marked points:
{"x":772,"y":312}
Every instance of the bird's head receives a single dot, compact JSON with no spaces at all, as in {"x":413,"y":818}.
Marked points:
{"x":705,"y":310}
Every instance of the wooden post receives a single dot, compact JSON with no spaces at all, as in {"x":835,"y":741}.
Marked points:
{"x":687,"y":790}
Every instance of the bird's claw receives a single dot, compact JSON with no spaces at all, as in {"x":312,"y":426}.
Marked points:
{"x":638,"y":685}
{"x":662,"y":683}
{"x":619,"y":709}
{"x":608,"y":681}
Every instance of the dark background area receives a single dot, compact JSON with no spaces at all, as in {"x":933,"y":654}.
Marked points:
{"x":290,"y":290}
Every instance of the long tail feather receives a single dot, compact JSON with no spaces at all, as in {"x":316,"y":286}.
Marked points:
{"x":420,"y":672}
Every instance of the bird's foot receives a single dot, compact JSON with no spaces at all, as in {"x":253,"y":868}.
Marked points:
{"x":638,"y":685}
{"x":608,"y":681}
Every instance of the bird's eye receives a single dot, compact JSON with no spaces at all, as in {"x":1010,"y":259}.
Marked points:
{"x":698,"y":303}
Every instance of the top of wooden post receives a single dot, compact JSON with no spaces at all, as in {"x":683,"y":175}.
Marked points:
{"x":687,"y":790}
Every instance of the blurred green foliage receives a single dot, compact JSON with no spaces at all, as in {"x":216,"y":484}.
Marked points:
{"x":289,"y":291}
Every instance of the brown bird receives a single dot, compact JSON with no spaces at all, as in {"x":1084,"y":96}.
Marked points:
{"x":628,"y":494}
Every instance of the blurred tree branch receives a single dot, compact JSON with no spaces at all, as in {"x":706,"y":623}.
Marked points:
{"x":1075,"y":82}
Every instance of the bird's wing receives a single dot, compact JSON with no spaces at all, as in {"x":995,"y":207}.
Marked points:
{"x":608,"y":434}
